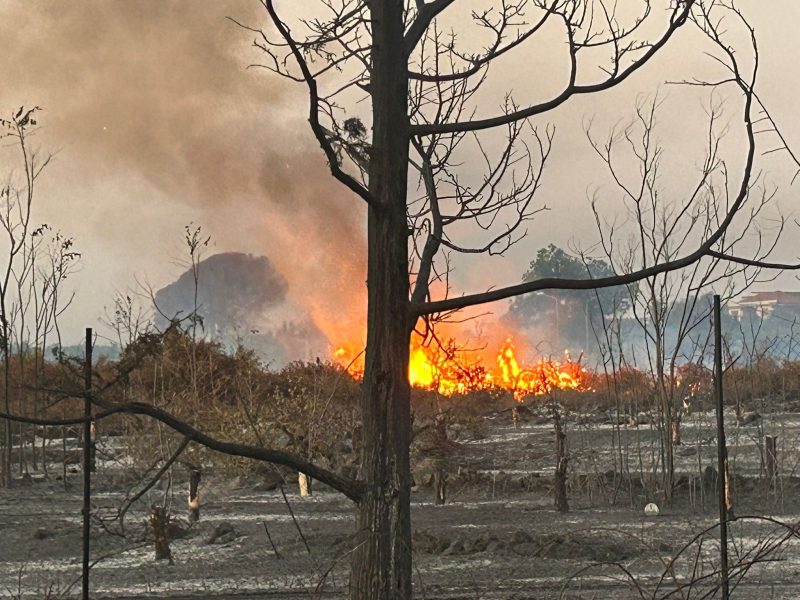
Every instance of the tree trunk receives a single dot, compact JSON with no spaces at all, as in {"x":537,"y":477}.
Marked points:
{"x":159,"y":521}
{"x":667,"y":451}
{"x":304,"y":483}
{"x":560,"y":482}
{"x":440,"y":486}
{"x":382,"y":554}
{"x":440,"y":476}
{"x":194,"y":495}
{"x":676,"y":432}
{"x":5,"y":475}
{"x":382,"y":557}
{"x":34,"y":447}
{"x":92,"y":447}
{"x":64,"y":449}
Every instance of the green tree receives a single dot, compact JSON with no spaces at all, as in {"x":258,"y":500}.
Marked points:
{"x":567,"y":317}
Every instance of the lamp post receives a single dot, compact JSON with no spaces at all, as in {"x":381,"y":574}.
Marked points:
{"x":556,"y":302}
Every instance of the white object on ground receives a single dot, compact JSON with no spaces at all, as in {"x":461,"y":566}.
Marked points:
{"x":651,"y":510}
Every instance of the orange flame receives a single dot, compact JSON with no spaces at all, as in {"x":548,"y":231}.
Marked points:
{"x":541,"y":378}
{"x":446,"y":369}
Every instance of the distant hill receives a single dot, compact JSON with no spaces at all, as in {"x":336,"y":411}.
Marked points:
{"x":233,"y":287}
{"x":242,"y":299}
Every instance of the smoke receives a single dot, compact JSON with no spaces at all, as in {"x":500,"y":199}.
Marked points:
{"x":158,"y":92}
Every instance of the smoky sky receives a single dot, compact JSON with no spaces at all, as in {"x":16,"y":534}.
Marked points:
{"x":140,"y":85}
{"x":156,"y":121}
{"x":153,"y":114}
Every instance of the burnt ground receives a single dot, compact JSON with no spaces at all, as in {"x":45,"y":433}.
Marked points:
{"x":497,"y":537}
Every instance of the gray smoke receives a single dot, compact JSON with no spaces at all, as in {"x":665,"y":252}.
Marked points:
{"x":159,"y":92}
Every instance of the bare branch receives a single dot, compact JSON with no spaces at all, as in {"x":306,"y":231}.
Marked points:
{"x":427,"y":13}
{"x":678,"y":18}
{"x":761,"y":264}
{"x":348,"y":487}
{"x":314,"y":107}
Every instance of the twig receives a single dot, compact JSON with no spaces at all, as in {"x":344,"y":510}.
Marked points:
{"x":294,"y":520}
{"x":271,"y":543}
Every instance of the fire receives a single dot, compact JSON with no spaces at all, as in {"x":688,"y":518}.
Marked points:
{"x":421,"y":373}
{"x":351,"y":359}
{"x":448,"y":370}
{"x":540,"y":378}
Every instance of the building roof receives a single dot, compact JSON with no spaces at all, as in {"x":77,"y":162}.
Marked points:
{"x":760,"y":298}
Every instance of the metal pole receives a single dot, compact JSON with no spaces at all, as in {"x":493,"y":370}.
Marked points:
{"x":722,"y":453}
{"x":87,"y":460}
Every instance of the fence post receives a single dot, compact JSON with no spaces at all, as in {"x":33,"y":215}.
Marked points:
{"x":722,"y":452}
{"x":87,"y":461}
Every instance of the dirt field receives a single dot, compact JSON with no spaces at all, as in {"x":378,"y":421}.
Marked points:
{"x":497,"y":537}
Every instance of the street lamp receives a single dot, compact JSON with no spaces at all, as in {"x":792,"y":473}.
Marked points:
{"x":556,"y":302}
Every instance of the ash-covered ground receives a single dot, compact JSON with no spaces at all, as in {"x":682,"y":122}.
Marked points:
{"x":496,"y":537}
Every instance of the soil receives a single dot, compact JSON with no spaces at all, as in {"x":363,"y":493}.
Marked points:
{"x":496,"y":537}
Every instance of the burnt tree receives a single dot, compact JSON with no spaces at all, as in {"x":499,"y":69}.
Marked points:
{"x":441,"y":466}
{"x":159,"y":522}
{"x":672,"y":310}
{"x":420,"y":88}
{"x":194,"y":494}
{"x":36,"y":259}
{"x":560,"y":500}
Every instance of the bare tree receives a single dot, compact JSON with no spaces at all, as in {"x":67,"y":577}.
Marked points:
{"x":422,"y":88}
{"x":36,"y":262}
{"x":48,"y":258}
{"x":20,"y":245}
{"x":668,"y":307}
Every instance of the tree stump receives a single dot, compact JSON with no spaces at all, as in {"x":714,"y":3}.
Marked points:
{"x":159,"y":521}
{"x":92,"y":447}
{"x":440,"y":487}
{"x":194,"y":497}
{"x":304,"y":481}
{"x":441,"y":449}
{"x":560,"y":487}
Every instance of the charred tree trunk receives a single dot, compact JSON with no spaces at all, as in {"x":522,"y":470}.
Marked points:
{"x":560,"y":483}
{"x":440,"y":476}
{"x":194,"y":496}
{"x":382,"y":555}
{"x":159,"y":521}
{"x":5,"y":464}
